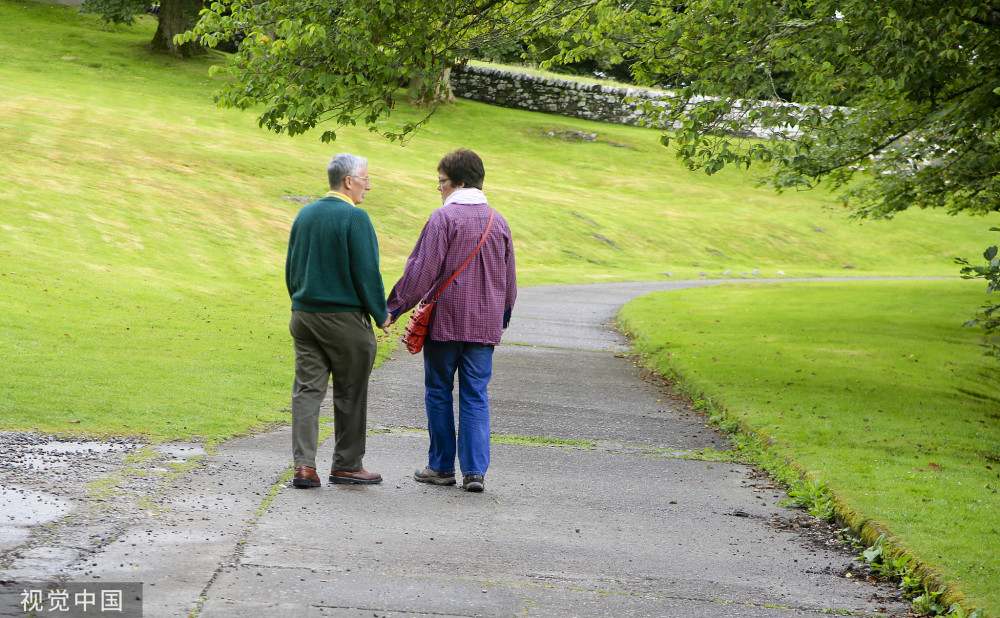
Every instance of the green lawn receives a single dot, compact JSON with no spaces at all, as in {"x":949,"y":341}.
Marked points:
{"x":873,"y":386}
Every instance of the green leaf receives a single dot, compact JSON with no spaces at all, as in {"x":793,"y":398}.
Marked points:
{"x":872,"y":553}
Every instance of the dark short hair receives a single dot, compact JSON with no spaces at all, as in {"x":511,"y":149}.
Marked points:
{"x":463,"y":167}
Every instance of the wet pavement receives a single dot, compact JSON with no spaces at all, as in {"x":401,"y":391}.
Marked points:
{"x":619,"y":519}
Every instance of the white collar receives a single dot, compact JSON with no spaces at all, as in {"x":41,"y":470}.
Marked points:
{"x":466,"y":196}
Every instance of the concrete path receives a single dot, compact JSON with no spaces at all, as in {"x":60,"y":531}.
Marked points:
{"x":619,"y":525}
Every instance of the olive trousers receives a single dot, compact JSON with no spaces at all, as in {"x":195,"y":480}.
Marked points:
{"x":340,"y":346}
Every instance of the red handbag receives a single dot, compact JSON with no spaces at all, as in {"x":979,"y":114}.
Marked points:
{"x":416,"y":329}
{"x":420,"y":320}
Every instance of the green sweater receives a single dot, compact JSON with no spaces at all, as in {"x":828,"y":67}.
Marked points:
{"x":332,"y":263}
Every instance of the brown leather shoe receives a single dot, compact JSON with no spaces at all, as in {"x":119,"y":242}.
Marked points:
{"x":361,"y":477}
{"x":305,"y":477}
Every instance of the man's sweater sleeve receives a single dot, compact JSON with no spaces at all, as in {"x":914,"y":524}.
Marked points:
{"x":365,"y":266}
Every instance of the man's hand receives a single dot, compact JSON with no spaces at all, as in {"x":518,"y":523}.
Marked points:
{"x":385,"y":325}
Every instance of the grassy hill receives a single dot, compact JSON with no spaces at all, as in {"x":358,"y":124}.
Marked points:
{"x":143,"y":230}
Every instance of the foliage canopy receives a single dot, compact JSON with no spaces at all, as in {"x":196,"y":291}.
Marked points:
{"x":896,"y":102}
{"x":339,"y":61}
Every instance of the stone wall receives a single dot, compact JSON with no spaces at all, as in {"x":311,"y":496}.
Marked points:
{"x":553,"y":96}
{"x":615,"y":105}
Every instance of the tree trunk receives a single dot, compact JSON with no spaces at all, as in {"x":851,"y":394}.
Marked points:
{"x":445,"y":93}
{"x":442,"y":93}
{"x":176,"y":17}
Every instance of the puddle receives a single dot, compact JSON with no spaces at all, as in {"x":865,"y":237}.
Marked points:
{"x":22,"y":508}
{"x":179,"y":450}
{"x":43,"y":477}
{"x":83,"y":448}
{"x":59,"y":454}
{"x":41,"y":462}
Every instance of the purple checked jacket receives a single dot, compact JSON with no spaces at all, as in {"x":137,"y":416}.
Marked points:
{"x":476,"y":306}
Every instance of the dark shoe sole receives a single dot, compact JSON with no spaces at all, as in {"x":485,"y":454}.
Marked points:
{"x":475,"y":484}
{"x":305,"y":483}
{"x":438,"y":482}
{"x":434,"y":480}
{"x":340,"y":480}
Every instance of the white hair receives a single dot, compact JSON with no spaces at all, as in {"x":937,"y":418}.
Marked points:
{"x":343,"y":165}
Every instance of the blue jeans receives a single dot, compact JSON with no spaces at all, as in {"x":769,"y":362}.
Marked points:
{"x":474,"y":364}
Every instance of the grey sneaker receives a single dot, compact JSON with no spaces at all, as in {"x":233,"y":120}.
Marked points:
{"x":473,"y":482}
{"x":429,"y":475}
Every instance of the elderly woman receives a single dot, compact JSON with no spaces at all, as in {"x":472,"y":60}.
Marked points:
{"x":471,"y":315}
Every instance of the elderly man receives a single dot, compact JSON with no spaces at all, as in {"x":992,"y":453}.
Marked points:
{"x":332,"y":275}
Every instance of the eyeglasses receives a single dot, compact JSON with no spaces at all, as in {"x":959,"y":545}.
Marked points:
{"x":365,"y":179}
{"x":441,"y":181}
